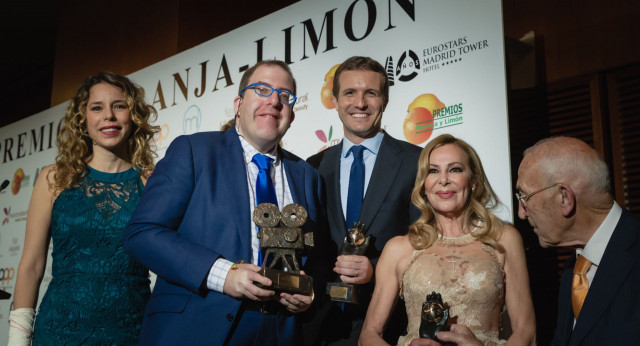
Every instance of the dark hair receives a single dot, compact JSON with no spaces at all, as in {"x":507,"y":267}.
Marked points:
{"x":362,"y":63}
{"x":244,"y":81}
{"x":227,"y":125}
{"x":75,"y":146}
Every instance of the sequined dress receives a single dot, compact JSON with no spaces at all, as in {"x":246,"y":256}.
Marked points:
{"x":468,"y":276}
{"x":98,"y":292}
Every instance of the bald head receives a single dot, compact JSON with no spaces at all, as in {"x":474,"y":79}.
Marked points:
{"x":570,"y":161}
{"x":567,"y":191}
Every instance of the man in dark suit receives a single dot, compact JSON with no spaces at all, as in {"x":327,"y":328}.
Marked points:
{"x":194,"y":224}
{"x":361,"y":93}
{"x":564,"y":192}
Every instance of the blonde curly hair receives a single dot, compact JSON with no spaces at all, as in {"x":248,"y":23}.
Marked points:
{"x":75,"y":147}
{"x":477,"y":214}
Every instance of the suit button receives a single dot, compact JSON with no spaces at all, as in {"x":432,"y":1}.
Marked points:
{"x":229,"y":317}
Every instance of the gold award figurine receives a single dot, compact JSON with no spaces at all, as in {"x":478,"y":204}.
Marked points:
{"x":434,"y":316}
{"x":281,"y":243}
{"x":355,"y":243}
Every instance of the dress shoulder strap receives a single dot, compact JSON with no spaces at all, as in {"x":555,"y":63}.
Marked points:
{"x":414,"y":256}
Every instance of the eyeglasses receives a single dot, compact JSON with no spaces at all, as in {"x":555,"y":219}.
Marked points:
{"x":524,"y":198}
{"x":265,"y":90}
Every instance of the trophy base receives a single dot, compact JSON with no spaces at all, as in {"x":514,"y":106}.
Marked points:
{"x":287,"y":282}
{"x":342,"y":292}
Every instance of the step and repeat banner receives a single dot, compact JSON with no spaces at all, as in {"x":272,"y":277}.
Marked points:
{"x":445,"y":61}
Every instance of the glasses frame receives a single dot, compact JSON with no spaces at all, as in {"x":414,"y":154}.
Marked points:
{"x":522,"y":199}
{"x":254,"y":86}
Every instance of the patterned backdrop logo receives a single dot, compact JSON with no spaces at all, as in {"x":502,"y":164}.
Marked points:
{"x":7,"y":275}
{"x":13,"y":217}
{"x":17,"y":181}
{"x":406,"y":69}
{"x":326,"y":139}
{"x":326,"y":93}
{"x":161,"y":135}
{"x":427,"y":113}
{"x":192,"y":120}
{"x":14,"y":248}
{"x":7,"y":212}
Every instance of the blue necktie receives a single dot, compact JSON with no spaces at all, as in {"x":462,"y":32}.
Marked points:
{"x":265,"y":192}
{"x":356,"y":186}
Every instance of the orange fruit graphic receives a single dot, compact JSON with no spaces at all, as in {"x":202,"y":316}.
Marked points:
{"x":17,"y":179}
{"x":428,"y":101}
{"x":331,"y":72}
{"x":418,"y":125}
{"x":326,"y":94}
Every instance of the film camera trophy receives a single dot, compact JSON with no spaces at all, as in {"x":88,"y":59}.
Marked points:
{"x":434,"y":316}
{"x":355,"y":243}
{"x":281,"y":244}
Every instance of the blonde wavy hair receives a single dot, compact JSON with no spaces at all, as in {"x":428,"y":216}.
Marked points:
{"x":75,"y":147}
{"x":477,"y":213}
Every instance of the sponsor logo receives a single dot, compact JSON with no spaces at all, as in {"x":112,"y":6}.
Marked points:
{"x":9,"y":216}
{"x":326,"y":93}
{"x":434,"y":57}
{"x":192,"y":120}
{"x":326,"y":139}
{"x":14,"y":248}
{"x":7,"y":275}
{"x":7,"y":211}
{"x":16,"y":183}
{"x":406,"y":69}
{"x":427,"y":113}
{"x":301,"y":103}
{"x":161,"y":136}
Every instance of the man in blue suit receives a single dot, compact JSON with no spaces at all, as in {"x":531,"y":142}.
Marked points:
{"x":361,"y":93}
{"x":194,"y":226}
{"x":564,"y":192}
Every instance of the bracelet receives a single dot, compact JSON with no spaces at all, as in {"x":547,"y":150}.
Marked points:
{"x":235,"y":265}
{"x":18,"y":326}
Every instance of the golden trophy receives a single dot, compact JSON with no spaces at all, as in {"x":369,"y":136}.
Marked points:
{"x":355,"y":243}
{"x":434,"y":316}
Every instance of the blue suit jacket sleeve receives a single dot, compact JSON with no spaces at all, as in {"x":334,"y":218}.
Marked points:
{"x":152,"y":235}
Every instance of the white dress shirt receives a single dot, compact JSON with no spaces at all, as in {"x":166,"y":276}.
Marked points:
{"x":369,"y":157}
{"x":221,"y":267}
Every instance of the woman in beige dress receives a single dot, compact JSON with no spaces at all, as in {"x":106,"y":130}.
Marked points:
{"x":457,"y":248}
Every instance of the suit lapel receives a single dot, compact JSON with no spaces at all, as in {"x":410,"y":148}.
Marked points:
{"x":564,"y":326}
{"x":384,"y":172}
{"x":330,"y":170}
{"x":614,"y":268}
{"x":235,"y":174}
{"x":295,"y":178}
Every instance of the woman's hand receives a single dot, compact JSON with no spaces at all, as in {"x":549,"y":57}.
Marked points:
{"x":460,"y":335}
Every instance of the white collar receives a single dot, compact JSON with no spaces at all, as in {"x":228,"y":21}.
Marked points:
{"x":594,"y":250}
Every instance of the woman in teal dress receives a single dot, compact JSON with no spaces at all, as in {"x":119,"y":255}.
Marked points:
{"x":83,"y":202}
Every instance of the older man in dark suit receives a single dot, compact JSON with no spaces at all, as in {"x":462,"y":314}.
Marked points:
{"x":383,"y":202}
{"x":564,"y":191}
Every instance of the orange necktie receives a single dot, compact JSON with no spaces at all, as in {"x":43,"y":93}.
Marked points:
{"x":580,"y":284}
